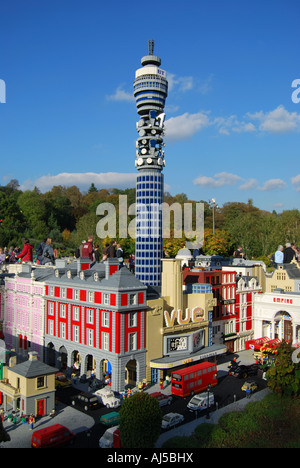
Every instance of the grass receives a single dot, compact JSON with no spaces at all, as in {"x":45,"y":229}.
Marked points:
{"x":270,"y":423}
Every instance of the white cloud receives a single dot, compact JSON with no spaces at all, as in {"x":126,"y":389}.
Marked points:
{"x":278,"y":120}
{"x":272,"y":184}
{"x":249,"y":184}
{"x":296,"y":182}
{"x":218,"y":180}
{"x":185,"y":126}
{"x":121,"y":95}
{"x":82,"y":180}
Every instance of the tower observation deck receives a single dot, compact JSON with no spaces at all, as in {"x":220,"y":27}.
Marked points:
{"x":150,"y":92}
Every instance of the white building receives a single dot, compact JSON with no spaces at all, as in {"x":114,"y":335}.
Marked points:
{"x":277,"y":315}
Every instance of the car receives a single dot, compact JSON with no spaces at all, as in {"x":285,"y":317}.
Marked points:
{"x":85,"y":400}
{"x":199,"y":402}
{"x":107,"y":440}
{"x":243,"y":371}
{"x":171,"y":419}
{"x":107,"y":397}
{"x":250,"y":385}
{"x":61,"y":381}
{"x":162,"y":398}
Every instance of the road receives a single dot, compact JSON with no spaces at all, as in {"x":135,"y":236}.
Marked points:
{"x":227,"y":390}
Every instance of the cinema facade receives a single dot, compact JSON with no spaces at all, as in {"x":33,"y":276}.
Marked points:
{"x":277,"y":315}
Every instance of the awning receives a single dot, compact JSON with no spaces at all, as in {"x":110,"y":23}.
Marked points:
{"x":168,"y":362}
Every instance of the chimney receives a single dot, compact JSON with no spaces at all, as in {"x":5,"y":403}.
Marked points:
{"x":111,"y":266}
{"x":83,"y":263}
{"x":32,"y":356}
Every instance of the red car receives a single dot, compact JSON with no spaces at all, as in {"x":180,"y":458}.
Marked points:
{"x":162,"y":398}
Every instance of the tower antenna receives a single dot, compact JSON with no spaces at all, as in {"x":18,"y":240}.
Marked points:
{"x":151,"y":46}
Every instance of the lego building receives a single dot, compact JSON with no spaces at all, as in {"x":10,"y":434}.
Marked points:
{"x":179,"y":325}
{"x":95,"y":322}
{"x":277,"y":315}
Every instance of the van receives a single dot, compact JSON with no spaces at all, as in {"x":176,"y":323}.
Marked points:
{"x":110,"y":419}
{"x":200,"y":402}
{"x":51,"y":436}
{"x":107,"y":440}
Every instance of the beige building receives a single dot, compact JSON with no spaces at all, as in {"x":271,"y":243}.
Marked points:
{"x":178,"y":326}
{"x":285,"y":277}
{"x":29,"y":386}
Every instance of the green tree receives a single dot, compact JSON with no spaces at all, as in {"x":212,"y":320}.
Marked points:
{"x":283,"y":377}
{"x":140,"y":421}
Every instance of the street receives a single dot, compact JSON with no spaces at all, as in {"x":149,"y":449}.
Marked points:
{"x":227,"y":391}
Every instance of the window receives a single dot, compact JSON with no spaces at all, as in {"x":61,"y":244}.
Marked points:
{"x":90,"y":337}
{"x":63,"y":293}
{"x":51,"y":308}
{"x":40,"y":382}
{"x":90,"y":316}
{"x":106,"y":299}
{"x":132,"y":299}
{"x":76,"y":294}
{"x":75,"y":333}
{"x":106,"y":341}
{"x":63,"y":310}
{"x":132,"y":319}
{"x":76,"y":313}
{"x":51,"y":291}
{"x":106,"y":319}
{"x":63,"y":334}
{"x":90,"y":296}
{"x":132,"y":341}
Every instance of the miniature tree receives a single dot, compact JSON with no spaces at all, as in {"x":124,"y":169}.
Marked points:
{"x":283,"y":376}
{"x":140,"y":421}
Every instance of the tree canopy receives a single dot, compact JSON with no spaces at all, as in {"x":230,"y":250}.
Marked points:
{"x":68,"y":216}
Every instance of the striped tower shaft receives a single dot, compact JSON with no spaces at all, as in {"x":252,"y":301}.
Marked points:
{"x":150,"y":91}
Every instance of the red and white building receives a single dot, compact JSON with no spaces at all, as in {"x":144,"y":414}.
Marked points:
{"x":95,"y":322}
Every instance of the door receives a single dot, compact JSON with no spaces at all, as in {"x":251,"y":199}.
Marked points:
{"x":288,"y":331}
{"x":40,"y":407}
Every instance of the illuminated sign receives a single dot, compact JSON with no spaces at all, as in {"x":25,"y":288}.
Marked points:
{"x":196,"y":315}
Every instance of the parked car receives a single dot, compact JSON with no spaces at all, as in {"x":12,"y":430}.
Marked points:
{"x":243,"y":371}
{"x":107,"y":440}
{"x":200,"y":401}
{"x":61,"y":381}
{"x":110,"y":419}
{"x":250,"y":386}
{"x":51,"y":436}
{"x":85,"y":400}
{"x":171,"y":419}
{"x":107,"y":397}
{"x":162,"y":398}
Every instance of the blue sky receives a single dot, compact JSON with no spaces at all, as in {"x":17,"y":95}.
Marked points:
{"x":232,"y":128}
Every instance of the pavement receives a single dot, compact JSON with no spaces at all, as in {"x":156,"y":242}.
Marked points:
{"x":78,"y":421}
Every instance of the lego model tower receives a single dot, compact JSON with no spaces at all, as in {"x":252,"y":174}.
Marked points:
{"x":150,"y":92}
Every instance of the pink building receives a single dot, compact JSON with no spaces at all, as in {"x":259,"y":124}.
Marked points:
{"x":23,"y":321}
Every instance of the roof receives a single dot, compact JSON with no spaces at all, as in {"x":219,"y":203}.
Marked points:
{"x":31,"y":369}
{"x":122,"y":279}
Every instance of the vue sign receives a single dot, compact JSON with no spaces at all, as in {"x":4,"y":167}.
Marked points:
{"x":196,"y":315}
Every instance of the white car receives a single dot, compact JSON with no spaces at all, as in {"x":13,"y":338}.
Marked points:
{"x":200,"y":402}
{"x":171,"y":419}
{"x":107,"y":397}
{"x":107,"y":440}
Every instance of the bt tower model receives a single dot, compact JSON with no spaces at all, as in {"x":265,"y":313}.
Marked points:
{"x":150,"y":92}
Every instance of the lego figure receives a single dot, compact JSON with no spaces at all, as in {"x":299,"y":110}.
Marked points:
{"x":31,"y":421}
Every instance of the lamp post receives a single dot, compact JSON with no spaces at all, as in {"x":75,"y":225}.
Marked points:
{"x":213,"y":205}
{"x":208,"y":390}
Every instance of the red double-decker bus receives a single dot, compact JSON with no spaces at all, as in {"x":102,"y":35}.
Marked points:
{"x":193,"y":379}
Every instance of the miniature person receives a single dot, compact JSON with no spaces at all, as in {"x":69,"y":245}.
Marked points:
{"x":31,"y":421}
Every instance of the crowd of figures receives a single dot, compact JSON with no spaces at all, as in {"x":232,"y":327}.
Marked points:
{"x":285,"y":255}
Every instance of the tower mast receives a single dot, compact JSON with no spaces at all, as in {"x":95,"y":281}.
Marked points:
{"x":150,"y":92}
